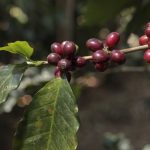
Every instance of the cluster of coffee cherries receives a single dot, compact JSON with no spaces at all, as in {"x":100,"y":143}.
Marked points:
{"x":145,"y":40}
{"x":66,"y":59}
{"x":103,"y":52}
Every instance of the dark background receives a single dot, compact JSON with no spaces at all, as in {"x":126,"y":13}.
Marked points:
{"x":114,"y":107}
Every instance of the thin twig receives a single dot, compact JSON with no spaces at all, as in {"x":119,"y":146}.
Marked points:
{"x":132,"y":49}
{"x":126,"y":50}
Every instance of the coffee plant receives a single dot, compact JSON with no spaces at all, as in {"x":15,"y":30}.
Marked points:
{"x":50,"y":122}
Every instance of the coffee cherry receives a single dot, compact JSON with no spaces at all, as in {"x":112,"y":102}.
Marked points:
{"x":143,"y":40}
{"x":147,"y":56}
{"x":112,"y":39}
{"x":147,"y":31}
{"x":80,"y":62}
{"x":148,"y":24}
{"x":117,"y":56}
{"x":101,"y":66}
{"x":69,"y":48}
{"x":148,"y":44}
{"x":57,"y":72}
{"x":64,"y":64}
{"x":63,"y":43}
{"x":53,"y":58}
{"x":100,"y":56}
{"x":56,"y":48}
{"x":94,"y":44}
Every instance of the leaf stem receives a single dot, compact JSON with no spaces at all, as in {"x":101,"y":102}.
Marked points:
{"x":37,"y":63}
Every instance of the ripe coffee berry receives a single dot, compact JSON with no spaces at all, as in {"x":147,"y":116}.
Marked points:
{"x":147,"y":31}
{"x":94,"y":44}
{"x":63,"y":43}
{"x":53,"y":58}
{"x":100,"y":56}
{"x":101,"y":66}
{"x":143,"y":40}
{"x":69,"y":48}
{"x":148,"y":24}
{"x":117,"y":56}
{"x":64,"y":64}
{"x":57,"y":72}
{"x":56,"y":48}
{"x":80,"y":61}
{"x":147,"y":56}
{"x":112,"y":39}
{"x":148,"y":44}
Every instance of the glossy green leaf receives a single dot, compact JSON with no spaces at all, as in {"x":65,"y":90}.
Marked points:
{"x":50,"y":123}
{"x":10,"y":77}
{"x":19,"y":47}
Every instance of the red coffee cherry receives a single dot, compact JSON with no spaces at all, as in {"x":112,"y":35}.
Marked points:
{"x":147,"y":56}
{"x":56,"y":48}
{"x":147,"y":31}
{"x":143,"y":40}
{"x":80,"y":61}
{"x":64,"y":64}
{"x":101,"y":66}
{"x":112,"y":39}
{"x":148,"y":44}
{"x":53,"y":58}
{"x":94,"y":44}
{"x":147,"y":25}
{"x":69,"y":48}
{"x":63,"y":43}
{"x":100,"y":56}
{"x":57,"y":72}
{"x":117,"y":56}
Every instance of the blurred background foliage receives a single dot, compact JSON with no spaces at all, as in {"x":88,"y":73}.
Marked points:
{"x":42,"y":22}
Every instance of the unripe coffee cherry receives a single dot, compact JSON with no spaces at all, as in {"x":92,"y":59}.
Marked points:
{"x":143,"y":40}
{"x":53,"y":58}
{"x":94,"y":44}
{"x":69,"y":48}
{"x":101,"y":66}
{"x":56,"y":48}
{"x":64,"y":64}
{"x":80,"y":61}
{"x":100,"y":56}
{"x":147,"y":56}
{"x":147,"y":31}
{"x":117,"y":56}
{"x":112,"y":39}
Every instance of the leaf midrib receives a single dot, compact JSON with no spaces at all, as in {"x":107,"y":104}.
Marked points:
{"x":53,"y":117}
{"x":9,"y":76}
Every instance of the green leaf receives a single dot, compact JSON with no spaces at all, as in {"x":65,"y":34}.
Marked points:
{"x":50,"y":123}
{"x":19,"y":47}
{"x":10,"y":77}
